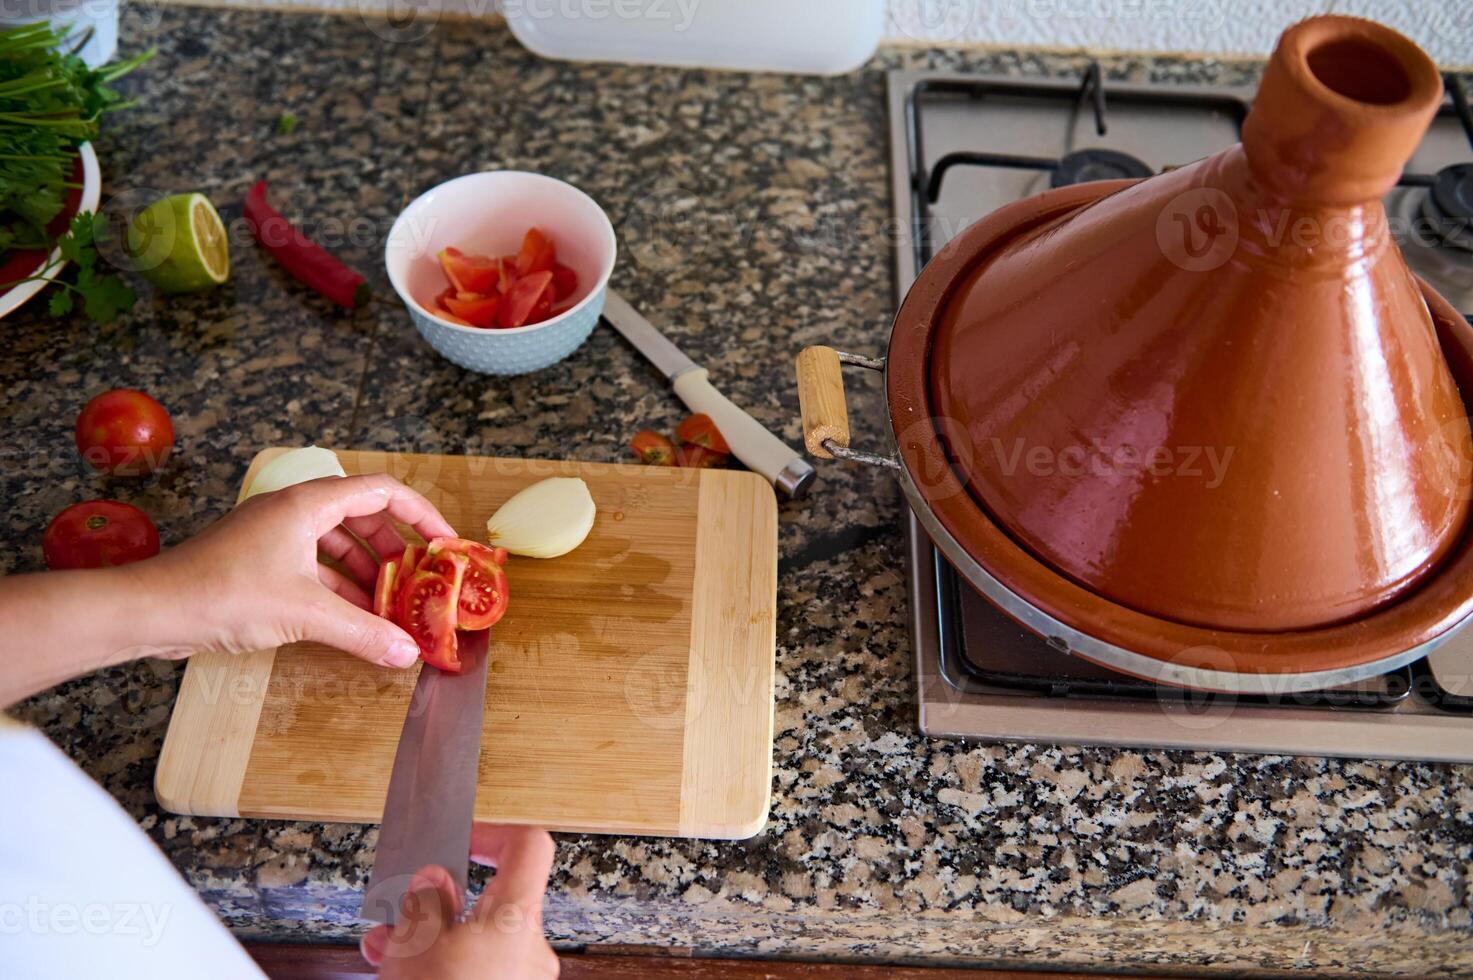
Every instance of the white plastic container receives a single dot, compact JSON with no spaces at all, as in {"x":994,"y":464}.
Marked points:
{"x":93,"y":23}
{"x":822,"y":37}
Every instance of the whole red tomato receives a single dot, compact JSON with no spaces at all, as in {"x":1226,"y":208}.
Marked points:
{"x":99,"y":534}
{"x":124,"y":432}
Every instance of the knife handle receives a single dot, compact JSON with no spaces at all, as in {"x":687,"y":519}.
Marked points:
{"x":749,"y":440}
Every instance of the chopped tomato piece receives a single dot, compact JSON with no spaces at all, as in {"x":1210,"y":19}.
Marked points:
{"x":564,"y":282}
{"x":427,"y":611}
{"x":699,"y":430}
{"x":508,"y":266}
{"x":537,"y":254}
{"x":469,"y":273}
{"x":653,"y":448}
{"x":476,"y":308}
{"x":443,"y":312}
{"x":408,"y":565}
{"x":543,"y":309}
{"x":383,"y":589}
{"x":517,"y":304}
{"x":699,"y":457}
{"x":483,"y":592}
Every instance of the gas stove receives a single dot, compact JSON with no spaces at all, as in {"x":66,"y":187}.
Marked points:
{"x":964,"y":145}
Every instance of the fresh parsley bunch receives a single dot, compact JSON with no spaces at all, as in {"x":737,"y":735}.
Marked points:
{"x":50,"y":103}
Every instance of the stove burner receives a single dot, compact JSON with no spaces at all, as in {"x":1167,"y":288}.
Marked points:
{"x":1448,"y":206}
{"x":1096,"y":164}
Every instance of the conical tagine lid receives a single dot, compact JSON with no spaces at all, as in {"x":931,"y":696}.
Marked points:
{"x":1216,"y":396}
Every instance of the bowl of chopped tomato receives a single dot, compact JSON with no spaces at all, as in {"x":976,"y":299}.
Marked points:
{"x":503,"y":272}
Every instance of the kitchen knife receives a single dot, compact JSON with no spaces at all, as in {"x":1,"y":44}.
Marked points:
{"x":750,"y":442}
{"x":432,"y":788}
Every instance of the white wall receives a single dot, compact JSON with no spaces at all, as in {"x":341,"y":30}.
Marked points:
{"x":1230,"y":27}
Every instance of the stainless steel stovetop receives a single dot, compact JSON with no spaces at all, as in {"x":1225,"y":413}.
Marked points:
{"x":963,"y":145}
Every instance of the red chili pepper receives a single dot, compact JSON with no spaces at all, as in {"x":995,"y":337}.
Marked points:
{"x":309,"y":262}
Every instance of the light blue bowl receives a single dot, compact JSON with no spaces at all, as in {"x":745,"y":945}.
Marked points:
{"x":517,"y":351}
{"x":487,"y":214}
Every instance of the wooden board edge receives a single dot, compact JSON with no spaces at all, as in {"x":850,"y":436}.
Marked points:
{"x":212,"y":728}
{"x":207,"y":747}
{"x":726,"y":777}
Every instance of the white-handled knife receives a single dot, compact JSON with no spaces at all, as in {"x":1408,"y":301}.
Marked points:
{"x":750,"y":442}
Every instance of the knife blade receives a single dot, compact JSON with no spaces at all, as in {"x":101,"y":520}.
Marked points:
{"x":750,"y":441}
{"x":432,"y":787}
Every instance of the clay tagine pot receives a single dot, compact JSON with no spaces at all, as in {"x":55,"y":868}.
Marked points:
{"x":1216,"y":396}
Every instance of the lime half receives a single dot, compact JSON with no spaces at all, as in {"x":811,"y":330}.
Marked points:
{"x":179,"y":244}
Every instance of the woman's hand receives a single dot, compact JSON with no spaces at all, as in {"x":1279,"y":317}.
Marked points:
{"x":252,"y":580}
{"x":501,"y":938}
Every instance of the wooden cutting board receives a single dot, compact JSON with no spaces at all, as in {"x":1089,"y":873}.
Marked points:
{"x":629,"y":690}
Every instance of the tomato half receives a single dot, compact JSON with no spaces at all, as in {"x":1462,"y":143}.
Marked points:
{"x":699,"y":430}
{"x":653,"y":448}
{"x":124,"y":432}
{"x":99,"y":534}
{"x":408,"y":565}
{"x":477,"y":309}
{"x":537,"y":253}
{"x":483,"y":591}
{"x":383,"y":588}
{"x":469,"y":273}
{"x":427,"y":613}
{"x":518,"y":303}
{"x":699,"y":457}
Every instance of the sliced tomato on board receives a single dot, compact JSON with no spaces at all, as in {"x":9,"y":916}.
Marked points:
{"x":469,"y":273}
{"x":427,"y":611}
{"x":699,"y":457}
{"x":653,"y":448}
{"x":537,"y":253}
{"x":518,"y":303}
{"x":483,"y":591}
{"x":383,"y":589}
{"x":477,"y":309}
{"x":699,"y":430}
{"x":564,"y":282}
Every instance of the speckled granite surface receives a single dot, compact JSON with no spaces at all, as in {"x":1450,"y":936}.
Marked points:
{"x":751,"y":211}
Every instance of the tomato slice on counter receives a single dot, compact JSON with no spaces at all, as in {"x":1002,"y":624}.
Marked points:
{"x":699,"y":430}
{"x":653,"y":448}
{"x":537,"y":253}
{"x":564,"y":282}
{"x":483,"y":590}
{"x":477,"y":309}
{"x":521,"y":300}
{"x":469,"y":273}
{"x":383,"y":588}
{"x":699,"y":457}
{"x":427,"y":611}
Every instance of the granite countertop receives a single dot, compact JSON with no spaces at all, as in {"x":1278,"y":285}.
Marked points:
{"x":751,"y":211}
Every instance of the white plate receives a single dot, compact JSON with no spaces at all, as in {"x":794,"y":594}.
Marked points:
{"x":13,"y":299}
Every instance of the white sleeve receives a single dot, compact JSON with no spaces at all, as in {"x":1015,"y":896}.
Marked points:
{"x":83,"y":891}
